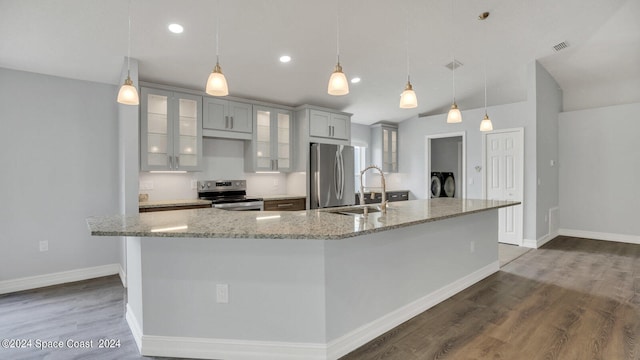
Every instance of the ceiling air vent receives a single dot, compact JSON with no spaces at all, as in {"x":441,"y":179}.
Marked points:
{"x":561,"y":46}
{"x":453,"y":65}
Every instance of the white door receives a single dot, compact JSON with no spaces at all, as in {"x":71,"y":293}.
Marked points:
{"x":504,"y":180}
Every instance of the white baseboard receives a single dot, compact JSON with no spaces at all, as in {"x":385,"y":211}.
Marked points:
{"x":198,"y":348}
{"x":360,"y":336}
{"x":134,"y":326}
{"x":535,"y":244}
{"x":631,"y":239}
{"x":38,"y":281}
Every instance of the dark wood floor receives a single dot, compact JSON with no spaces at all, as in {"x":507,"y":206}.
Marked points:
{"x":83,"y":311}
{"x":572,"y":299}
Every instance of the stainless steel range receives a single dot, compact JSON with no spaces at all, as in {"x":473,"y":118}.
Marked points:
{"x":229,"y":195}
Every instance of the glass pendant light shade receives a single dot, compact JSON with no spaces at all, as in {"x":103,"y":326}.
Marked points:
{"x":408,"y":99}
{"x":486,"y":124}
{"x":217,"y":83}
{"x":338,"y":84}
{"x":454,"y":116}
{"x":128,"y":94}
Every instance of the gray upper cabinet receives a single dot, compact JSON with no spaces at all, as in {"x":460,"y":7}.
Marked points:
{"x":384,"y":146}
{"x":170,"y":130}
{"x":271,"y":148}
{"x":329,"y":125}
{"x":227,"y":119}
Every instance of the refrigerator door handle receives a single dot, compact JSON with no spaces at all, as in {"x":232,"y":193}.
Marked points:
{"x":336,"y":174}
{"x":341,"y":175}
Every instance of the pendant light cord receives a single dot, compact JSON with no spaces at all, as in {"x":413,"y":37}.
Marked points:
{"x":485,"y":69}
{"x":217,"y":31}
{"x":453,"y":63}
{"x":338,"y":37}
{"x":407,"y":41}
{"x":129,"y":44}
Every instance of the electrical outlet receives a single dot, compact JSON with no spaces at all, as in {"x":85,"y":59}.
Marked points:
{"x":194,"y":184}
{"x":222,"y":293}
{"x":472,"y":246}
{"x":44,"y":245}
{"x":146,"y":185}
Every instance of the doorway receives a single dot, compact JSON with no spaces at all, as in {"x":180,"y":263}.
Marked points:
{"x":503,"y":164}
{"x":446,"y":155}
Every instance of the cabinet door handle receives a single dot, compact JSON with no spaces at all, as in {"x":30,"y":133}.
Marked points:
{"x":285,"y":205}
{"x":232,"y":122}
{"x":177,"y":162}
{"x":277,"y":166}
{"x":226,"y":122}
{"x":170,"y":162}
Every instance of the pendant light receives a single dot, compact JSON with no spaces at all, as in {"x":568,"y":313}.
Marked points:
{"x":454,"y":115}
{"x":338,"y":84}
{"x":128,"y":94}
{"x":408,"y":99}
{"x":217,"y":83}
{"x":486,"y":124}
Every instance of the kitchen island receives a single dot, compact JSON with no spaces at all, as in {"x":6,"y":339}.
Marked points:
{"x":209,"y":283}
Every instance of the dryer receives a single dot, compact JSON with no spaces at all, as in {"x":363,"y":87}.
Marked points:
{"x":437,"y":182}
{"x":448,"y":185}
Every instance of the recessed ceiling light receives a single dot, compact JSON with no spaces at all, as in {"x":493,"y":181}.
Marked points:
{"x":176,"y":28}
{"x":285,"y":58}
{"x":355,"y":80}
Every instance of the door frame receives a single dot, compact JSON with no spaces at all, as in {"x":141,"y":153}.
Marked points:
{"x":485,"y":175}
{"x":427,"y":156}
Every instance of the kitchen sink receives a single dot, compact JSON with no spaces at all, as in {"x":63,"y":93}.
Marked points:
{"x":355,"y":210}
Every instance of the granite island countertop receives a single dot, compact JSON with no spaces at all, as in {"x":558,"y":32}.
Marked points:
{"x":305,"y":224}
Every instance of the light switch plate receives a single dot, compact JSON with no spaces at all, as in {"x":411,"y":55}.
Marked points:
{"x":222,"y":293}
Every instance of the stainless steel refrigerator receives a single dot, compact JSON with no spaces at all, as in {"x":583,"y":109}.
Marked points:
{"x":332,"y":176}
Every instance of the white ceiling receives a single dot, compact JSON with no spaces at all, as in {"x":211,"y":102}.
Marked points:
{"x":87,"y":39}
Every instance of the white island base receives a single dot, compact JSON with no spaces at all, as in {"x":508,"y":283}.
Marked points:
{"x":298,"y":299}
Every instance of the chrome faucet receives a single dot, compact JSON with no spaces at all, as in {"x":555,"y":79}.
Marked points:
{"x":383,"y":205}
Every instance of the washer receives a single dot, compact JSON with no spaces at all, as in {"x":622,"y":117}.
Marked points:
{"x":449,"y":185}
{"x":437,"y":180}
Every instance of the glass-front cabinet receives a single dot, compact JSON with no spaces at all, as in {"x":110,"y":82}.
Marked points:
{"x":271,"y":148}
{"x":170,"y":131}
{"x":384,"y":146}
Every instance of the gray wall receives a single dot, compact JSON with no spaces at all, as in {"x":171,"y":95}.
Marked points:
{"x":444,"y":155}
{"x":412,"y":134}
{"x":543,"y":103}
{"x":599,"y":170}
{"x":548,"y":106}
{"x":59,"y":165}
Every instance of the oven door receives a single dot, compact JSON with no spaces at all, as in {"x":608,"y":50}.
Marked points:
{"x":241,"y":206}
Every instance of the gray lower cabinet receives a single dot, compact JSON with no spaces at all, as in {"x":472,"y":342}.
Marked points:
{"x":170,"y":130}
{"x":227,"y":119}
{"x":376,"y":198}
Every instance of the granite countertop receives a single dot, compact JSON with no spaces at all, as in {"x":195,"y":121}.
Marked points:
{"x":171,"y":203}
{"x":304,"y":224}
